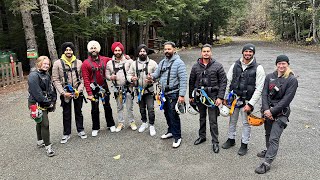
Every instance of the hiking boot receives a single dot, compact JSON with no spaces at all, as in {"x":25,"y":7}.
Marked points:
{"x":152,"y":131}
{"x":40,"y":143}
{"x":94,"y":133}
{"x":65,"y":139}
{"x":262,"y":154}
{"x":82,"y":135}
{"x":243,"y":149}
{"x":167,"y":136}
{"x":263,"y":168}
{"x":133,"y":126}
{"x":229,"y":143}
{"x":176,"y":143}
{"x":50,"y":151}
{"x":143,"y":127}
{"x":119,"y":127}
{"x":112,"y":129}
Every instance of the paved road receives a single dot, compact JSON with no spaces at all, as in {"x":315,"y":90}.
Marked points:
{"x":145,"y":157}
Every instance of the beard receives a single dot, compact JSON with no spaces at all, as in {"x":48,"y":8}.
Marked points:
{"x":142,"y":57}
{"x":247,"y":57}
{"x":118,"y":55}
{"x":93,"y":54}
{"x":168,"y":55}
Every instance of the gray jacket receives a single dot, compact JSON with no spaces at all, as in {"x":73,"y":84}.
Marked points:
{"x":178,"y":79}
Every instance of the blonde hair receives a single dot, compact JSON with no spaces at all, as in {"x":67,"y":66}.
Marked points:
{"x":40,"y":61}
{"x":288,"y":72}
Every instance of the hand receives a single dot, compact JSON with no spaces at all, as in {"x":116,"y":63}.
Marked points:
{"x":224,"y":102}
{"x":181,"y":99}
{"x":113,"y":77}
{"x":191,"y":100}
{"x":134,"y":78}
{"x":247,"y":108}
{"x":267,"y":113}
{"x":127,"y":57}
{"x":68,"y":95}
{"x":218,"y":102}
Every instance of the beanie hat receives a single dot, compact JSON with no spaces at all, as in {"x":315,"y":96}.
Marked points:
{"x":249,"y":47}
{"x":282,"y":58}
{"x":117,"y":44}
{"x":94,"y":44}
{"x":142,"y":46}
{"x":65,"y":45}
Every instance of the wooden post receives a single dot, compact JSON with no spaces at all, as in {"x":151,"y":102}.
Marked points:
{"x":2,"y":77}
{"x":11,"y":81}
{"x":7,"y":69}
{"x":20,"y":71}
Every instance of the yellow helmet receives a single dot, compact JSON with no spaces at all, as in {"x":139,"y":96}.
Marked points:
{"x":255,"y":121}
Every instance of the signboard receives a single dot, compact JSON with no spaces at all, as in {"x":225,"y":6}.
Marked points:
{"x":32,"y":54}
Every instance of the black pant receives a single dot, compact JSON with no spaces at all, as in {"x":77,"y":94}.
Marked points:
{"x":213,"y":115}
{"x":107,"y":113}
{"x":147,"y":101}
{"x":172,"y":117}
{"x":66,"y":111}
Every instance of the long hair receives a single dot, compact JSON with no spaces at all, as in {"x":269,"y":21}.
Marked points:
{"x":40,"y":61}
{"x":288,"y":72}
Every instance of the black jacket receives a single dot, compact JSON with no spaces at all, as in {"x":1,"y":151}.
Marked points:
{"x":41,"y":89}
{"x":212,"y":75}
{"x":278,"y":101}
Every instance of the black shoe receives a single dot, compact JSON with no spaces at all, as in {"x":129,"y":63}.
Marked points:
{"x":263,"y":168}
{"x":215,"y":148}
{"x":243,"y":149}
{"x":262,"y":154}
{"x":229,"y":143}
{"x":199,"y":141}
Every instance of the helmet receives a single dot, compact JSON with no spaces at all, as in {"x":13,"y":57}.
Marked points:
{"x":192,"y":109}
{"x":224,"y":111}
{"x":181,"y":108}
{"x":254,"y":120}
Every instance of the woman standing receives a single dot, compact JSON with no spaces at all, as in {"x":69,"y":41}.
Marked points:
{"x":42,"y":96}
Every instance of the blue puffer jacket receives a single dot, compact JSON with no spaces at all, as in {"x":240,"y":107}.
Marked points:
{"x":178,"y":75}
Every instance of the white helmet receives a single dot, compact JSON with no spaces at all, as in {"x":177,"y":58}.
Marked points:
{"x":192,"y":109}
{"x":180,"y":108}
{"x":224,"y":111}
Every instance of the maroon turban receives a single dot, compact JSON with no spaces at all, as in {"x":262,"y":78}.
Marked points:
{"x":117,"y":44}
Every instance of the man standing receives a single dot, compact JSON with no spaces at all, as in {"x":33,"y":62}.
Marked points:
{"x":244,"y":85}
{"x":117,"y":70}
{"x":93,"y":70}
{"x":173,"y":79}
{"x":66,"y":76}
{"x":209,"y":76}
{"x":138,"y":73}
{"x":279,"y":90}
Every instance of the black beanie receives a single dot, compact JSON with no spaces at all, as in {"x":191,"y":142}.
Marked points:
{"x":142,"y":46}
{"x":282,"y":58}
{"x":249,"y":47}
{"x":65,"y":45}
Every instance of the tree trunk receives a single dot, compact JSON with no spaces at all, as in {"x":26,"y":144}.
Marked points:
{"x":29,"y":32}
{"x":295,"y":28}
{"x":48,"y":30}
{"x":314,"y":22}
{"x":4,"y":20}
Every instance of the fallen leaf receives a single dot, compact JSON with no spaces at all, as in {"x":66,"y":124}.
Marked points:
{"x":307,"y":126}
{"x":117,"y":157}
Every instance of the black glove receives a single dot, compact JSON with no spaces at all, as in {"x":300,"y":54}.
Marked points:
{"x":52,"y":107}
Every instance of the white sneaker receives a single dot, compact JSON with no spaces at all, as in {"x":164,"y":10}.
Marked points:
{"x":112,"y":129}
{"x":176,"y":143}
{"x":152,"y":131}
{"x":143,"y":127}
{"x":133,"y":126}
{"x":82,"y":135}
{"x":65,"y":139}
{"x":94,"y":133}
{"x":166,"y":136}
{"x":50,"y":151}
{"x":40,"y":143}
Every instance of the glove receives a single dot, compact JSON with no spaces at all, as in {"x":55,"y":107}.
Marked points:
{"x":52,"y":107}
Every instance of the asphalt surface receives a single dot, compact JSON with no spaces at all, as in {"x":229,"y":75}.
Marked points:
{"x":146,"y":157}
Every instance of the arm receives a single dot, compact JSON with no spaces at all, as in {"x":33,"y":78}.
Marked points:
{"x":108,"y":70}
{"x":265,"y":94}
{"x":81,"y":86}
{"x":156,"y":73}
{"x":57,"y":82}
{"x":183,"y":78}
{"x":131,"y":72}
{"x":260,"y":78}
{"x":229,"y":79}
{"x":86,"y":71}
{"x":222,"y":81}
{"x":192,"y":81}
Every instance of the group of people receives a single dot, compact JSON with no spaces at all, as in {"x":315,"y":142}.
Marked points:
{"x":211,"y":91}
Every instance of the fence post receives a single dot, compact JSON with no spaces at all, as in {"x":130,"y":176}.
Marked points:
{"x":20,"y":71}
{"x":7,"y":69}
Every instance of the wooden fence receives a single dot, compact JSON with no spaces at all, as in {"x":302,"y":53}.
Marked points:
{"x":10,"y":74}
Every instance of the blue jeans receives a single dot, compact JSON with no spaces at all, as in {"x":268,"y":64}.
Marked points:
{"x":172,"y":117}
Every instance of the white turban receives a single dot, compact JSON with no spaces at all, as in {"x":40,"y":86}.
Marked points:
{"x":94,"y":44}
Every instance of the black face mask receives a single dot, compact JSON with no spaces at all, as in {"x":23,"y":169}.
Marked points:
{"x":142,"y":57}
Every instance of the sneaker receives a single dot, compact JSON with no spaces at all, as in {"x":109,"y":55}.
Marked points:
{"x":82,"y":135}
{"x":133,"y":126}
{"x":40,"y":143}
{"x":263,"y":168}
{"x":152,"y":130}
{"x":50,"y":151}
{"x":65,"y":139}
{"x":262,"y":154}
{"x":229,"y":143}
{"x":119,"y":127}
{"x":143,"y":127}
{"x":176,"y":143}
{"x":167,"y":136}
{"x":112,"y":129}
{"x":94,"y":133}
{"x":243,"y":149}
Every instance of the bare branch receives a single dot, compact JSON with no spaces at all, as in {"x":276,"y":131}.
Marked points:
{"x":61,"y":9}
